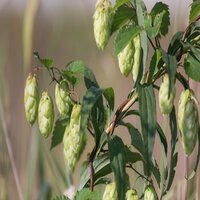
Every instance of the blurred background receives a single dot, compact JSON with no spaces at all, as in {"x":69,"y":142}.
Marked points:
{"x":61,"y":30}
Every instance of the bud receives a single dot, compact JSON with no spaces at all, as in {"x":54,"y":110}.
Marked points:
{"x":136,"y":64}
{"x":62,"y":98}
{"x":126,"y":59}
{"x":188,"y":120}
{"x":110,"y":192}
{"x":31,"y":99}
{"x":102,"y":22}
{"x":131,"y":195}
{"x":73,"y":140}
{"x":166,"y":100}
{"x":149,"y":193}
{"x":45,"y":115}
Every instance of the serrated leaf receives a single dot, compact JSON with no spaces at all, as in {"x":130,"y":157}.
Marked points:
{"x":76,"y":67}
{"x":109,"y":95}
{"x":101,"y":166}
{"x":122,"y":14}
{"x":124,"y":36}
{"x":194,"y":11}
{"x":147,"y":111}
{"x":175,"y":44}
{"x":46,"y":62}
{"x":191,"y":66}
{"x":61,"y":197}
{"x":58,"y":131}
{"x":86,"y":194}
{"x":159,"y":7}
{"x":174,"y":149}
{"x":117,"y":159}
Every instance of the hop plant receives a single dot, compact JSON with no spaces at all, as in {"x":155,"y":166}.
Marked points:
{"x":110,"y":192}
{"x":149,"y":193}
{"x":126,"y":59}
{"x":188,"y":120}
{"x":131,"y":195}
{"x":31,"y":99}
{"x":45,"y":115}
{"x":73,"y":140}
{"x":62,"y":98}
{"x":136,"y":64}
{"x":102,"y":23}
{"x":166,"y":100}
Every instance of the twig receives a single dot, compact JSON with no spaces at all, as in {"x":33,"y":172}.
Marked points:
{"x":152,"y":44}
{"x":10,"y":153}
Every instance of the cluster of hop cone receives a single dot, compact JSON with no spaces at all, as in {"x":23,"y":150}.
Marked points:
{"x":129,"y":62}
{"x":43,"y":111}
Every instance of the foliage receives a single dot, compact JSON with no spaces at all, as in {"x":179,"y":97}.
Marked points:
{"x":128,"y":20}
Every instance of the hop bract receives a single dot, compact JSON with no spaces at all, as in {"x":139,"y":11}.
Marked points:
{"x":131,"y":195}
{"x":73,"y":140}
{"x":136,"y":64}
{"x":62,"y":98}
{"x":188,"y":120}
{"x":31,"y":99}
{"x":126,"y":59}
{"x":149,"y":193}
{"x":102,"y":23}
{"x":110,"y":192}
{"x":45,"y":115}
{"x":166,"y":100}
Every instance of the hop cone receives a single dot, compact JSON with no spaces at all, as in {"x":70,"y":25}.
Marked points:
{"x":125,"y":59}
{"x":102,"y":23}
{"x":166,"y":100}
{"x":136,"y":64}
{"x":73,"y":140}
{"x":31,"y":99}
{"x":45,"y":115}
{"x":110,"y":192}
{"x":131,"y":195}
{"x":188,"y":120}
{"x":62,"y":98}
{"x":149,"y":193}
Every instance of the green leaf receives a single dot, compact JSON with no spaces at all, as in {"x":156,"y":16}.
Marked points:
{"x":192,"y":174}
{"x":89,"y":99}
{"x":86,"y":194}
{"x":89,"y":78}
{"x":76,"y":67}
{"x":122,"y":15}
{"x":192,"y":67}
{"x":174,"y":149}
{"x":147,"y":111}
{"x":194,"y":11}
{"x":58,"y":131}
{"x":175,"y":44}
{"x":62,"y":197}
{"x":46,"y":62}
{"x":101,"y":166}
{"x":117,"y":159}
{"x":132,"y":157}
{"x":109,"y":95}
{"x":140,"y":8}
{"x":159,"y":7}
{"x":119,"y":3}
{"x":124,"y":36}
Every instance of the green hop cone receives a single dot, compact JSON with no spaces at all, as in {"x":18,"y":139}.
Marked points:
{"x":188,"y":120}
{"x":131,"y":195}
{"x":126,"y":59}
{"x":31,"y":99}
{"x":62,"y":98}
{"x":45,"y":115}
{"x":136,"y":64}
{"x":110,"y":192}
{"x":149,"y":193}
{"x":166,"y":100}
{"x":74,"y":141}
{"x":102,"y":22}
